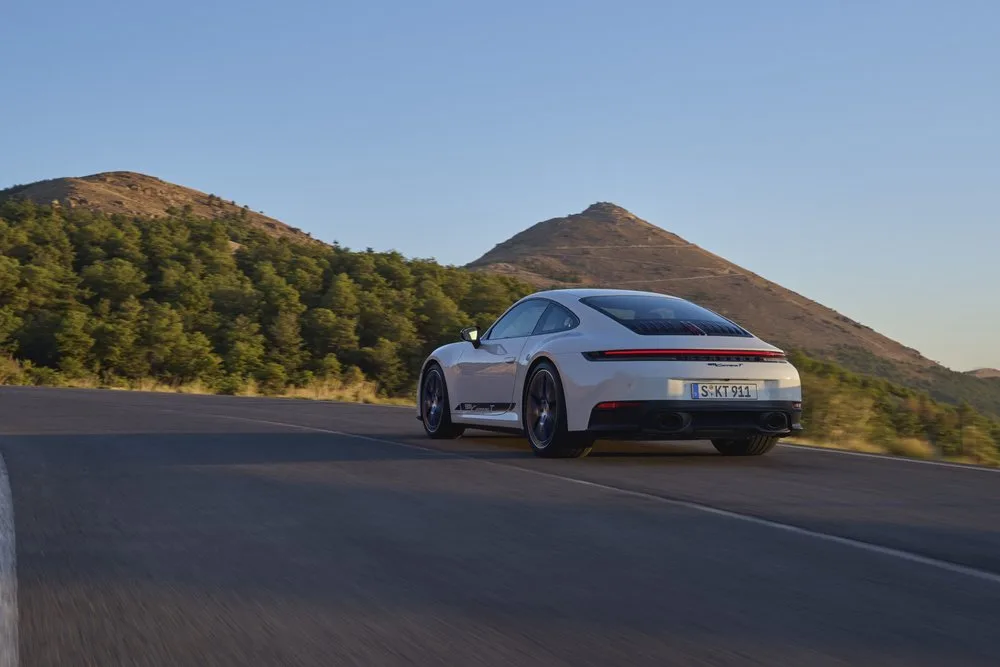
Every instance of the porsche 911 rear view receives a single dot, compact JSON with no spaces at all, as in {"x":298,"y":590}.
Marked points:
{"x":569,"y":367}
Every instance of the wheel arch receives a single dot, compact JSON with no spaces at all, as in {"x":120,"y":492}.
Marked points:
{"x":431,"y":360}
{"x":428,"y":362}
{"x":446,"y":358}
{"x":523,"y":388}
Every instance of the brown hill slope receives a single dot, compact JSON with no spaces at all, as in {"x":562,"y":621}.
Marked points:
{"x":133,"y":194}
{"x":985,"y":373}
{"x":607,"y":246}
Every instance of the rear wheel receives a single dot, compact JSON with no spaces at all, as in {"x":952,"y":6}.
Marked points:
{"x":544,"y":417}
{"x":753,"y":446}
{"x":435,"y":412}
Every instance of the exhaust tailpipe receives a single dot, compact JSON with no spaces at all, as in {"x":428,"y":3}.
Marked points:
{"x":672,"y":422}
{"x":774,"y":421}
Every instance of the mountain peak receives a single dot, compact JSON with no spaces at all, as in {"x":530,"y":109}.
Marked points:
{"x":606,"y":245}
{"x":120,"y":174}
{"x":605,"y":207}
{"x":607,"y":212}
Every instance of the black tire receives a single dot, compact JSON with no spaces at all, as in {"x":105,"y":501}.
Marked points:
{"x":756,"y":445}
{"x":543,"y":417}
{"x":435,"y":410}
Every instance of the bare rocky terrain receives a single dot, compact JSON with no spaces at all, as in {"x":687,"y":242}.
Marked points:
{"x":133,"y":194}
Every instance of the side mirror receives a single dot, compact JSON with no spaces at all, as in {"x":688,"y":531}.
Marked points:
{"x":471,"y":335}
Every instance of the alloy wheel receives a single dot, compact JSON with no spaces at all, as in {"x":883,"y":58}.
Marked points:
{"x":543,"y":408}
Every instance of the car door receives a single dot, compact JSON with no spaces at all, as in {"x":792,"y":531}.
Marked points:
{"x":487,"y":373}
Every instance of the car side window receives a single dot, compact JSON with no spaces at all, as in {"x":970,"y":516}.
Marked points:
{"x":556,"y":318}
{"x":519,"y":321}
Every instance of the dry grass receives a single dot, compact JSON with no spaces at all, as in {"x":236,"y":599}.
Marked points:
{"x":914,"y":448}
{"x":910,"y":448}
{"x":13,"y":373}
{"x":358,"y":392}
{"x":10,"y":371}
{"x":847,"y":444}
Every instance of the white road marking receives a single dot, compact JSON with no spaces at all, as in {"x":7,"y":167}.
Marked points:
{"x":8,"y":575}
{"x":888,"y":457}
{"x":955,"y":568}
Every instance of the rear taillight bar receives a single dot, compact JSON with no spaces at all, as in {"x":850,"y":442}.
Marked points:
{"x":617,"y":405}
{"x":686,"y":355}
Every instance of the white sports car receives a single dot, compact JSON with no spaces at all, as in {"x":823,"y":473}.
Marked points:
{"x":566,"y":367}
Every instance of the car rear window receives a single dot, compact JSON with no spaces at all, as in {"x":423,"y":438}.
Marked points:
{"x":663,"y":316}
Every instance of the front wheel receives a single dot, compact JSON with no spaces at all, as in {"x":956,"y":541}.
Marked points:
{"x":434,"y":409}
{"x":753,"y":446}
{"x":544,"y":417}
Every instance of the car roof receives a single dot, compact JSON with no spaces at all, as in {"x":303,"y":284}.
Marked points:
{"x":575,"y":293}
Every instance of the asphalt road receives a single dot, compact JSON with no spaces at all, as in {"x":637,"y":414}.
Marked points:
{"x":180,"y":530}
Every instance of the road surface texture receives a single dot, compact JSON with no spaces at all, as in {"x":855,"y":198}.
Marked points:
{"x":183,"y":530}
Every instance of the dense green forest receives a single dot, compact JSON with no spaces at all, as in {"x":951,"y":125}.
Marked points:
{"x":181,"y":299}
{"x":92,"y":300}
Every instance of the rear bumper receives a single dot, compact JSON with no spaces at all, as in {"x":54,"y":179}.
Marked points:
{"x":689,"y":420}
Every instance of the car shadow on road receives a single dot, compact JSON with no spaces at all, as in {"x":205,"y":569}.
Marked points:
{"x":514,"y":446}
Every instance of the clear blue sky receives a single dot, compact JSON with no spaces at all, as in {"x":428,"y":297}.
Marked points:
{"x":847,"y":150}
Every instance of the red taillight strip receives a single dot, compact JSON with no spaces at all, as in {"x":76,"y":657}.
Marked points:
{"x":685,"y":353}
{"x":616,"y":405}
{"x":693,"y":353}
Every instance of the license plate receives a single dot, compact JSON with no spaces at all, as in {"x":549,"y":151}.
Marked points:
{"x":723,"y":391}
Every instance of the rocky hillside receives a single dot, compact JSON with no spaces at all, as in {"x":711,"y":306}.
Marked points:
{"x":985,"y":373}
{"x":139,"y":195}
{"x":607,"y":246}
{"x":604,"y":245}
